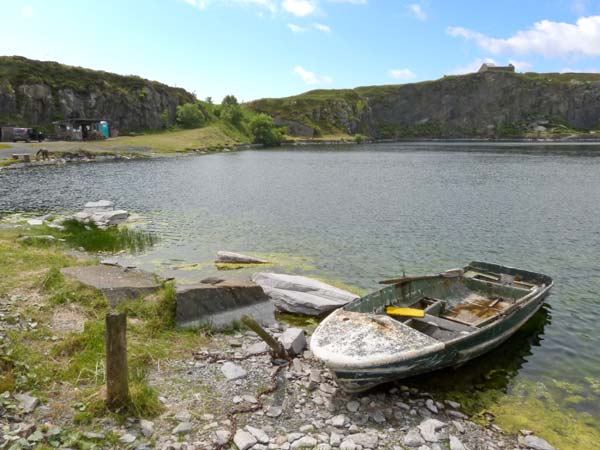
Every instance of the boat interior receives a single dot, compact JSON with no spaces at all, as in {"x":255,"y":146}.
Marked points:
{"x":454,"y":304}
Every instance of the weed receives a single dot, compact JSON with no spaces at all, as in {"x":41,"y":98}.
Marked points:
{"x":94,"y":239}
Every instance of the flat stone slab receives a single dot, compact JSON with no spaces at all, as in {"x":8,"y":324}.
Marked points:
{"x":220,"y":303}
{"x":302,"y":295}
{"x":239,"y":258}
{"x":116,"y":283}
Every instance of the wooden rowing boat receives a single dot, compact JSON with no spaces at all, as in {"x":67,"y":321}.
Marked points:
{"x":466,"y":312}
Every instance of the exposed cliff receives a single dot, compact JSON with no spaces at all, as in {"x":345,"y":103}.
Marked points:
{"x":39,"y":92}
{"x":487,"y":104}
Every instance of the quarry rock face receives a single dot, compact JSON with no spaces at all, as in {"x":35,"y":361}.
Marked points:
{"x":63,"y":92}
{"x":472,"y":105}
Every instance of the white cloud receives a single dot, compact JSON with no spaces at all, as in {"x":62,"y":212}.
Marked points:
{"x":299,"y":8}
{"x":27,"y":11}
{"x":521,"y":66}
{"x":548,"y":38}
{"x":353,"y":2}
{"x":296,"y":28}
{"x":417,"y":10}
{"x":571,"y":70}
{"x":311,"y":77}
{"x":200,"y":4}
{"x":322,"y":27}
{"x":402,"y":74}
{"x":266,"y":4}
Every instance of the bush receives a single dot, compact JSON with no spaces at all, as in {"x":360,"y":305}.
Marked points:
{"x":232,"y":114}
{"x":165,"y":118}
{"x":189,"y":115}
{"x":265,"y":131}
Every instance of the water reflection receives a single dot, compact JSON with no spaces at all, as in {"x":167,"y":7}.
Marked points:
{"x":491,"y":371}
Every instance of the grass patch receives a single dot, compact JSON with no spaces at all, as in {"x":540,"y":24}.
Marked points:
{"x":94,"y":239}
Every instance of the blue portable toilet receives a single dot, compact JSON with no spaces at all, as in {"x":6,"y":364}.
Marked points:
{"x":104,"y":128}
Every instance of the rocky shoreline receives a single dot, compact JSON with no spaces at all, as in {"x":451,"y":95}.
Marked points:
{"x":307,"y":410}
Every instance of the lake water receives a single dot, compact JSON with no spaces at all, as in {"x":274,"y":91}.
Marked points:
{"x":359,"y":214}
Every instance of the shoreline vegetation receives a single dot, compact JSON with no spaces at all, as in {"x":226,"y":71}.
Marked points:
{"x":52,"y":347}
{"x":194,"y":142}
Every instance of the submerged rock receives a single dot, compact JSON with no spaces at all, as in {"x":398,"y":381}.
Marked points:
{"x":302,"y":295}
{"x":238,"y":258}
{"x":535,"y":443}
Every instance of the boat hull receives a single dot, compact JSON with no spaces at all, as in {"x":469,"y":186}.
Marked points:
{"x":454,"y":353}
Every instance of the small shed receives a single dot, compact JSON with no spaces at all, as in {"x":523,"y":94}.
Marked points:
{"x":491,"y":67}
{"x":82,"y":129}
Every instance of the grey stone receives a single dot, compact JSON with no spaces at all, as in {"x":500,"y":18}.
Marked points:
{"x":233,"y":371}
{"x":127,"y":438}
{"x":323,"y":447}
{"x":339,"y":421}
{"x":99,"y":206}
{"x":353,"y":406}
{"x":222,"y":303}
{"x":365,"y":440}
{"x":293,"y":340}
{"x":244,"y":440}
{"x":534,"y":442}
{"x":303,"y":295}
{"x":183,"y":416}
{"x":274,"y":411}
{"x":378,"y":417}
{"x":259,"y":434}
{"x":459,"y":426}
{"x":27,"y":402}
{"x":249,"y":399}
{"x":182,"y":428}
{"x":221,"y":436}
{"x":430,"y":405}
{"x":116,"y":283}
{"x":456,"y":444}
{"x":433,"y":430}
{"x":335,"y":439}
{"x":238,"y":258}
{"x":147,"y":427}
{"x":257,"y":347}
{"x":291,"y":437}
{"x":327,"y":388}
{"x":457,"y":415}
{"x":452,"y":404}
{"x":413,"y":438}
{"x":348,"y":444}
{"x":304,"y":442}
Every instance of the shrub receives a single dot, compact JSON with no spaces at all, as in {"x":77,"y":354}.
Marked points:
{"x":232,"y":114}
{"x":265,"y":131}
{"x":189,"y":115}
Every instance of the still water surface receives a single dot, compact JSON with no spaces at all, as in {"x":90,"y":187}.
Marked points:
{"x":362,"y":213}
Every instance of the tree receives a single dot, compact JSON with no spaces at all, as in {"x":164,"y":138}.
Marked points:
{"x":231,"y":110}
{"x":189,"y":115}
{"x":265,"y":131}
{"x":165,"y":118}
{"x":232,"y":114}
{"x":229,"y":100}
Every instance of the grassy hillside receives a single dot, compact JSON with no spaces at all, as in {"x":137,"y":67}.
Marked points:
{"x":22,"y":71}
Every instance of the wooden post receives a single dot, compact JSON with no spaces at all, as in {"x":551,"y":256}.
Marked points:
{"x":117,"y":388}
{"x":278,"y":349}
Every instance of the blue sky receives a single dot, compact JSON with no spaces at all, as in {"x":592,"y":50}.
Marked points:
{"x":274,"y":48}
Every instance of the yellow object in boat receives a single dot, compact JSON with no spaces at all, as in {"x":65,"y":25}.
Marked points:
{"x":404,"y":312}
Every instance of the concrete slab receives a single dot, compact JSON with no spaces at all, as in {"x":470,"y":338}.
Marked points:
{"x":220,"y":303}
{"x":117,"y":283}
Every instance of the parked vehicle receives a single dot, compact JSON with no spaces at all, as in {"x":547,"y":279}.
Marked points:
{"x":22,"y":134}
{"x":421,"y":324}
